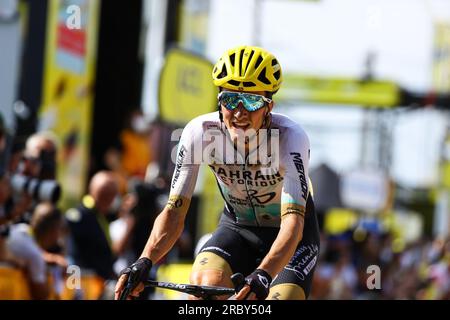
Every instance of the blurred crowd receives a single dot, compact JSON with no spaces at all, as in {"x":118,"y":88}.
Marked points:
{"x":363,"y":264}
{"x":105,"y":232}
{"x":109,"y":227}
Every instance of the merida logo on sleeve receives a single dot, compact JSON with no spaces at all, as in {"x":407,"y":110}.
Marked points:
{"x":178,"y":165}
{"x":298,"y":162}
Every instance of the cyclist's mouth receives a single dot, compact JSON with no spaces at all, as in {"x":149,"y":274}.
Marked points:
{"x":241,"y":126}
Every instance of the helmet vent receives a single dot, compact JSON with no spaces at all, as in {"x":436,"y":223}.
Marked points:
{"x":258,"y":62}
{"x":234,"y":82}
{"x":277,"y":74}
{"x":274,"y":62}
{"x":249,"y":84}
{"x":223,"y":73}
{"x":232,"y":57}
{"x":262,"y":77}
{"x":241,"y":56}
{"x":248,"y":62}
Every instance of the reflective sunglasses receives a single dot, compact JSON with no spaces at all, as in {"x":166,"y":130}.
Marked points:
{"x":251,"y":102}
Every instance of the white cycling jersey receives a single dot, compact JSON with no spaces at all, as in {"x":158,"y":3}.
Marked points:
{"x":256,"y":193}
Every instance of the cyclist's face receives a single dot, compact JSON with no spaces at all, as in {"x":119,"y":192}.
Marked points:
{"x":240,"y":120}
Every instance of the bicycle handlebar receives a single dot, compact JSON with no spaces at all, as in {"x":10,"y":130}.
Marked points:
{"x":205,"y":292}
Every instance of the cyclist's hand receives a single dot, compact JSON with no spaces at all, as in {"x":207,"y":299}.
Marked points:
{"x":244,"y":294}
{"x":256,"y":287}
{"x":132,"y":277}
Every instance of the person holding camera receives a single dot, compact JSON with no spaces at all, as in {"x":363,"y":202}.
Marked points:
{"x":34,"y":179}
{"x":39,"y":159}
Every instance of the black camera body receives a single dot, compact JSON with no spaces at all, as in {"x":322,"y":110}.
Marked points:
{"x":38,"y":189}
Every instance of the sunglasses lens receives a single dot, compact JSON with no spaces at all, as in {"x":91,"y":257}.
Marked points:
{"x":228,"y":100}
{"x":251,"y":102}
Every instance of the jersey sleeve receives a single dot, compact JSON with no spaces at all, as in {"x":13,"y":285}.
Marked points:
{"x":295,"y":159}
{"x":186,"y":169}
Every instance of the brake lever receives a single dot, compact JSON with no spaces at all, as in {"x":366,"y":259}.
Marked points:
{"x":238,"y":281}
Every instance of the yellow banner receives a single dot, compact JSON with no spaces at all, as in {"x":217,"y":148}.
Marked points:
{"x":186,"y":89}
{"x":339,"y":91}
{"x":441,"y":58}
{"x":66,"y":109}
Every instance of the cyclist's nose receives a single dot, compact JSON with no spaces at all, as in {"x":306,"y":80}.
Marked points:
{"x":240,"y":110}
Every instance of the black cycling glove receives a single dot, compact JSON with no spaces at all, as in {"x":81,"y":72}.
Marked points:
{"x":259,"y":282}
{"x":137,"y":272}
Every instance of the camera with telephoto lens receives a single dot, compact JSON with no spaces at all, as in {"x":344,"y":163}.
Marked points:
{"x":38,"y":189}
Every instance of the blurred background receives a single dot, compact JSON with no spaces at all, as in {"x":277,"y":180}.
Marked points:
{"x":91,"y":92}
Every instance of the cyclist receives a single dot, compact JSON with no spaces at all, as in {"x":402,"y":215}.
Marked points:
{"x":268,"y":230}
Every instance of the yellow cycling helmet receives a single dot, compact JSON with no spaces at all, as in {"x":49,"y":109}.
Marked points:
{"x":248,"y":68}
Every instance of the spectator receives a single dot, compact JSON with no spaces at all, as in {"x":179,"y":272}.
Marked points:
{"x":30,"y":243}
{"x":90,"y":241}
{"x":336,"y":275}
{"x":40,"y":156}
{"x":120,"y":231}
{"x":38,"y":161}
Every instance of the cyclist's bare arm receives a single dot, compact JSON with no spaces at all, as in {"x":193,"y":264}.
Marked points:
{"x":169,"y":224}
{"x":167,"y":229}
{"x":283,"y":248}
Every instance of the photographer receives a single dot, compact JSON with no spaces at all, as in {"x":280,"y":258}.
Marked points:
{"x":22,"y":186}
{"x":39,"y":160}
{"x":34,"y":178}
